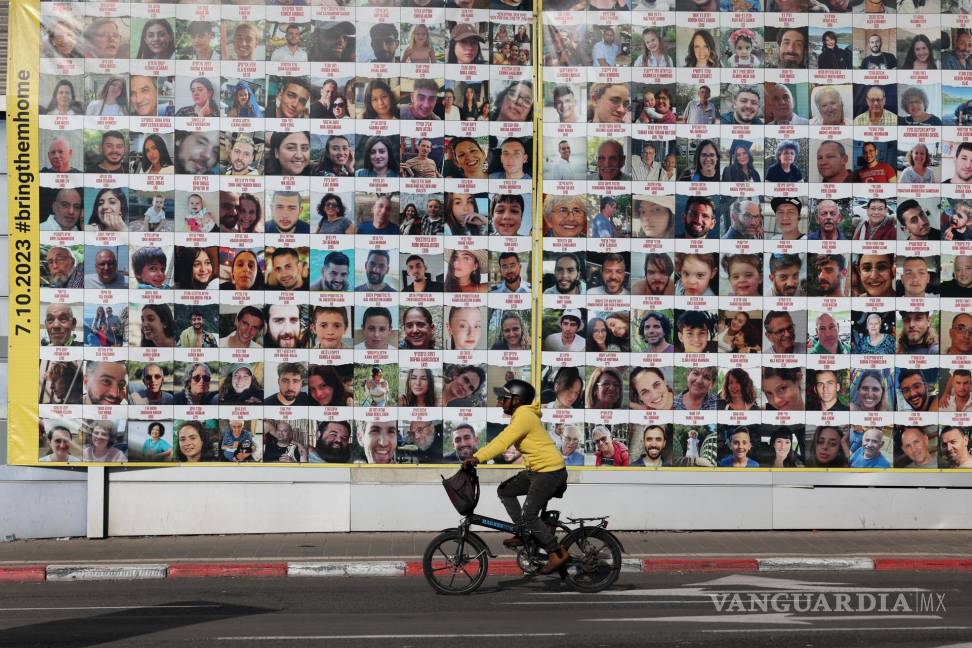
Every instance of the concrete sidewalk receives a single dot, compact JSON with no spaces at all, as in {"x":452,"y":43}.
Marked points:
{"x":400,"y":553}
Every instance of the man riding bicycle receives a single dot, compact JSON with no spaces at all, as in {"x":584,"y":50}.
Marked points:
{"x":545,"y":472}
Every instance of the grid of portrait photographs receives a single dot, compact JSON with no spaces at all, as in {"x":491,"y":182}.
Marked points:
{"x":757,"y":249}
{"x":291,"y":231}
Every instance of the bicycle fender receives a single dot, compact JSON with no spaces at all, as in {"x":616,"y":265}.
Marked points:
{"x":623,"y":550}
{"x":480,"y":538}
{"x":489,"y":553}
{"x":577,"y":532}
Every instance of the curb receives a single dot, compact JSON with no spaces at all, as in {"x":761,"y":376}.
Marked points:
{"x":105,"y":572}
{"x":503,"y":567}
{"x":344,"y":568}
{"x":808,"y":563}
{"x":23,"y":574}
{"x":223,"y":570}
{"x":660,"y":565}
{"x":922,"y":564}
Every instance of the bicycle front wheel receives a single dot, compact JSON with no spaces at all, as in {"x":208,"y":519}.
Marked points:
{"x":454,"y":564}
{"x":595,"y":560}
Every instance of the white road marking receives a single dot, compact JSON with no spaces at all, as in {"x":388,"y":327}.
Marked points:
{"x":107,"y":607}
{"x":791,"y":584}
{"x":645,"y":602}
{"x":847,"y":629}
{"x":392,"y":636}
{"x":784,"y":618}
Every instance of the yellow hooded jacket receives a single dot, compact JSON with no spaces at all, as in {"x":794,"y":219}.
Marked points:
{"x":527,"y":433}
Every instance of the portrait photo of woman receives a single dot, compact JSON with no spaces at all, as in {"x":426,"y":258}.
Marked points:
{"x":875,"y":340}
{"x":869,"y":391}
{"x":60,"y":445}
{"x":61,"y":38}
{"x":702,"y":51}
{"x":419,"y":48}
{"x":157,"y":41}
{"x":197,"y":380}
{"x":112,"y":99}
{"x":99,"y":443}
{"x":828,"y":448}
{"x":740,"y":167}
{"x":109,"y":211}
{"x":419,"y":390}
{"x":64,"y":100}
{"x":244,"y":101}
{"x":203,"y":100}
{"x":514,"y":103}
{"x":464,"y":271}
{"x":465,"y":159}
{"x":334,"y":218}
{"x":289,"y":154}
{"x":465,"y":45}
{"x":605,"y":389}
{"x":380,"y":101}
{"x":654,"y":52}
{"x":513,"y":334}
{"x":194,"y":443}
{"x":379,"y":158}
{"x":784,"y":168}
{"x":154,"y":157}
{"x":738,"y":391}
{"x":567,"y":389}
{"x":705,"y":163}
{"x":462,"y":214}
{"x":245,"y":272}
{"x":195,"y":268}
{"x":650,"y":389}
{"x":326,"y":387}
{"x":337,"y":158}
{"x":240,"y":387}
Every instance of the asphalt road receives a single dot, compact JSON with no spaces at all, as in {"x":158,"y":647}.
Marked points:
{"x":880,"y":609}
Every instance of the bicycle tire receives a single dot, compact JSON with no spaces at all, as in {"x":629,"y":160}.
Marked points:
{"x":595,"y":560}
{"x":442,"y":570}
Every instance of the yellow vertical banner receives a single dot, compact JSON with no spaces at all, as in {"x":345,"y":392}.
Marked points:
{"x":537,"y":202}
{"x":23,"y":78}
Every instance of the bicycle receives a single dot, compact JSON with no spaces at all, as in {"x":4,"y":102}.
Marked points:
{"x":457,"y":560}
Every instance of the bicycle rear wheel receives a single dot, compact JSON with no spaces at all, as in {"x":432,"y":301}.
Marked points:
{"x":455,"y":565}
{"x":595,"y":560}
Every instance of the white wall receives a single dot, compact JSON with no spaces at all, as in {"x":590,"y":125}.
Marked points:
{"x":42,"y":502}
{"x":183,"y":501}
{"x":173,"y":501}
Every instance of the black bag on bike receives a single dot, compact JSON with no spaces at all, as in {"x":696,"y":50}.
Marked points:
{"x":463,"y":490}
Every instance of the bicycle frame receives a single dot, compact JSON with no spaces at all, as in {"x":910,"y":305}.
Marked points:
{"x":594,"y":553}
{"x":475,"y":519}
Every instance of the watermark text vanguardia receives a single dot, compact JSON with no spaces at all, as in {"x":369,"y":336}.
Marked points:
{"x":903,"y":602}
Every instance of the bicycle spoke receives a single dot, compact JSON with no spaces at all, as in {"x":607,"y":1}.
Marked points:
{"x":593,"y":559}
{"x":467,"y":574}
{"x":456,"y":564}
{"x":444,"y":568}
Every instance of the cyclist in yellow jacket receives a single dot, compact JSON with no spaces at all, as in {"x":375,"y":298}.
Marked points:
{"x":545,"y":470}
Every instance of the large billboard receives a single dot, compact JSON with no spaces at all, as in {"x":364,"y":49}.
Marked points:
{"x":729,"y":235}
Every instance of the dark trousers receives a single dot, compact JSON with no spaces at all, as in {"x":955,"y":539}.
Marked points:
{"x":538,"y":488}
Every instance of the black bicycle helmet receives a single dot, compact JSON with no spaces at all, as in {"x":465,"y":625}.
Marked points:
{"x":521,"y":389}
